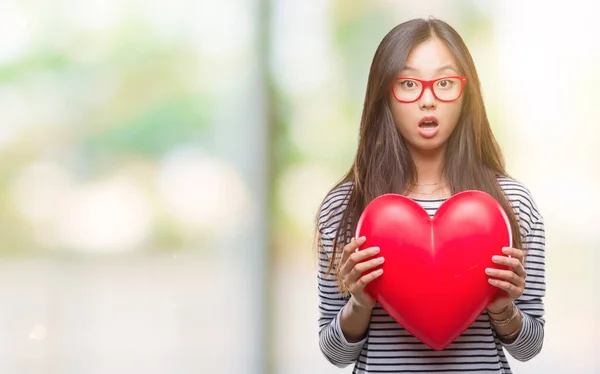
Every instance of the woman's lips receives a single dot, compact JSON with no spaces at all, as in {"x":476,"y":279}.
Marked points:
{"x":428,"y":126}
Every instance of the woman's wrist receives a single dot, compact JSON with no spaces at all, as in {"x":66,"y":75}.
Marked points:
{"x":354,"y":320}
{"x":357,"y":308}
{"x":500,"y":319}
{"x":498,"y":311}
{"x":507,"y":323}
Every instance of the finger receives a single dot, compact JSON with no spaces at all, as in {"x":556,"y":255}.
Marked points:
{"x":511,"y":262}
{"x":360,"y":285}
{"x":520,"y":270}
{"x":513,"y":252}
{"x":359,"y":256}
{"x":361,"y":267}
{"x":351,"y":248}
{"x":514,"y":291}
{"x":354,"y":257}
{"x":507,"y":275}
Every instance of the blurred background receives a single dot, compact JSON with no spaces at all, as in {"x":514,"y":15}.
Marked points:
{"x":161,"y":164}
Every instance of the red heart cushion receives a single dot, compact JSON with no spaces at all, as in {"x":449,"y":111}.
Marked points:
{"x":434,"y":282}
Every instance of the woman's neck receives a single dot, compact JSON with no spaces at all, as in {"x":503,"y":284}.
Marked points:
{"x":430,"y":182}
{"x":429,"y":166}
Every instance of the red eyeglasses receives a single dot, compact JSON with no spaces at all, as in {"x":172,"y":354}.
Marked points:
{"x":446,"y":89}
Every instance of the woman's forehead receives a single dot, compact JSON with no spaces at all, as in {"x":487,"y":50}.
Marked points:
{"x":431,"y":57}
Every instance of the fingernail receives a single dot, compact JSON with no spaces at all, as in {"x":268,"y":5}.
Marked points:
{"x":376,"y":249}
{"x":362,"y":239}
{"x":379,"y":271}
{"x":495,"y":258}
{"x":488,"y":271}
{"x":380,"y":260}
{"x":492,"y":281}
{"x":506,"y":250}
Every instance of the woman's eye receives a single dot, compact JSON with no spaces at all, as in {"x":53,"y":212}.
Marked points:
{"x":444,"y":83}
{"x":408,"y":84}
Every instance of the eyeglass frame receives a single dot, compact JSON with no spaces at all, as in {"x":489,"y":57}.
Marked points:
{"x":429,"y":84}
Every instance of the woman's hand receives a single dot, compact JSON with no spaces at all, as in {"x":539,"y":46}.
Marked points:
{"x":511,"y":282}
{"x":354,"y":264}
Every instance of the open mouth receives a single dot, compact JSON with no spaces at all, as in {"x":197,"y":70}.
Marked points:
{"x":428,"y":127}
{"x":428,"y":122}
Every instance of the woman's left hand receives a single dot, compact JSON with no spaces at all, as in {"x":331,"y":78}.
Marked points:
{"x":511,"y":281}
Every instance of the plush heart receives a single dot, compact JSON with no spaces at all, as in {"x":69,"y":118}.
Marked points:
{"x":434,"y":282}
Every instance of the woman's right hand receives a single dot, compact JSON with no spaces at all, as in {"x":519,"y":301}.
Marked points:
{"x":354,"y":264}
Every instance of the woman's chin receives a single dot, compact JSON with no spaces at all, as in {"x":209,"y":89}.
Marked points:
{"x":431,"y":145}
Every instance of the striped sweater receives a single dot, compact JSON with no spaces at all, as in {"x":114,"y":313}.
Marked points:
{"x":388,"y":348}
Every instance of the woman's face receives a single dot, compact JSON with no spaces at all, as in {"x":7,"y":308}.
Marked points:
{"x":427,"y":123}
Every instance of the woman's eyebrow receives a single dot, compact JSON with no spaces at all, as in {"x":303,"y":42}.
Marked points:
{"x":447,"y":67}
{"x":440,"y":69}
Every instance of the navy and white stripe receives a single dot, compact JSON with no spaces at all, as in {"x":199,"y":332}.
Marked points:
{"x":388,"y":348}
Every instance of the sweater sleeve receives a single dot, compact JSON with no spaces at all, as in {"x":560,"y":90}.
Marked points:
{"x":530,"y":340}
{"x":332,"y":342}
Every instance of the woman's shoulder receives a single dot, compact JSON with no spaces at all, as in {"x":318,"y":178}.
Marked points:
{"x":512,"y":185}
{"x":515,"y":189}
{"x":333,"y":206}
{"x":521,"y":198}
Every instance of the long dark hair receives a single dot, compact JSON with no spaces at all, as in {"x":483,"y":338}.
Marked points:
{"x":383,"y":163}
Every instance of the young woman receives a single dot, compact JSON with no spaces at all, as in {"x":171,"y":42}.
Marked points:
{"x":424,"y":134}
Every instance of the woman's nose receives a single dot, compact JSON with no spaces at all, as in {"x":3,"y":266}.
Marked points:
{"x":427,"y":100}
